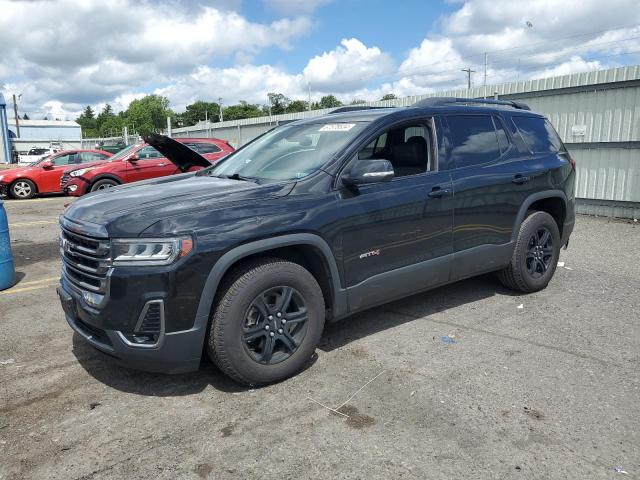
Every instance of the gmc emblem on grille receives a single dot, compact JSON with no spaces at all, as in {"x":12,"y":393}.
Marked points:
{"x":66,"y":246}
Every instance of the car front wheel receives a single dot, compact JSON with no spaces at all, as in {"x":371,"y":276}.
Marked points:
{"x":103,"y":184}
{"x":267,"y":321}
{"x":23,"y":189}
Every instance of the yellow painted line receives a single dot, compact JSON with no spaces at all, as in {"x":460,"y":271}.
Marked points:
{"x":34,"y":282}
{"x":26,"y":289}
{"x":33,"y":223}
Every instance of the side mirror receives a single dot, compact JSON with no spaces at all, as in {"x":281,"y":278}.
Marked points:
{"x":47,"y":164}
{"x":134,"y":158}
{"x":369,"y":171}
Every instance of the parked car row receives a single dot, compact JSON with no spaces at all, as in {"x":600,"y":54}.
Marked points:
{"x":77,"y":172}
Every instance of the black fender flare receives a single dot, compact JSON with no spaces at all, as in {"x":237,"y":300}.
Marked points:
{"x":529,"y":201}
{"x":242,"y":251}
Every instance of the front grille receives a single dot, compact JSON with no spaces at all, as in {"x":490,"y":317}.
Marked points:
{"x":152,"y":320}
{"x":64,"y":180}
{"x":85,"y":261}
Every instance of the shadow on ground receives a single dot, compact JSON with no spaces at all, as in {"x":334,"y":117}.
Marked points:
{"x":336,"y":335}
{"x":370,"y":322}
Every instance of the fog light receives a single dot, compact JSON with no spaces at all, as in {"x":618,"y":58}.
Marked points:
{"x":72,"y":188}
{"x":92,"y":299}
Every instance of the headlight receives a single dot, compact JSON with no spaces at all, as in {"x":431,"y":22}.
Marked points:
{"x":82,"y":171}
{"x":149,"y":251}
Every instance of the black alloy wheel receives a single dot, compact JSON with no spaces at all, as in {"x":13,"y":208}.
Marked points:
{"x":275,"y":325}
{"x":540,"y":252}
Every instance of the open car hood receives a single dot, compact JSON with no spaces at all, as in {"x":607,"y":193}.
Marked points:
{"x":179,"y":154}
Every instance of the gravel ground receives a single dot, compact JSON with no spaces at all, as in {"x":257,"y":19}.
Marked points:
{"x":549,"y":390}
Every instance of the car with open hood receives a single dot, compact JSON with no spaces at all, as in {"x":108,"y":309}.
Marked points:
{"x":311,"y":222}
{"x":43,"y":176}
{"x":142,"y":161}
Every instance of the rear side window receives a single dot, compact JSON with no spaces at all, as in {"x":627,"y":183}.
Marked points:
{"x":538,"y":134}
{"x":473,"y":140}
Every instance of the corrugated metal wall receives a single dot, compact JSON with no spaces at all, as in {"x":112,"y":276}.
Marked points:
{"x":597,"y":114}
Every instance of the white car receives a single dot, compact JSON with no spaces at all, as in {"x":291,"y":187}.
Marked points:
{"x":36,"y":154}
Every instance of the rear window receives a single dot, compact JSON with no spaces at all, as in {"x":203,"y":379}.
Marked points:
{"x":538,"y":134}
{"x":473,"y":140}
{"x":203,"y":148}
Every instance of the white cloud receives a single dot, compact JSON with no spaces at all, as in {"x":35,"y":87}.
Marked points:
{"x":295,"y":7}
{"x":64,"y":54}
{"x":347,"y":67}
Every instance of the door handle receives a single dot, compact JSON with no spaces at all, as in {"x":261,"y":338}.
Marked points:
{"x":520,"y":179}
{"x":439,"y":192}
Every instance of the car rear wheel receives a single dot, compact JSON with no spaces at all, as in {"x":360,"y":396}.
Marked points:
{"x":267,"y":322}
{"x":103,"y":184}
{"x":535,"y":256}
{"x":23,"y":189}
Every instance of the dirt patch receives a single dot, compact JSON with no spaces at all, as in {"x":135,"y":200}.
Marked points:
{"x":226,"y":431}
{"x":533,"y":413}
{"x":203,"y":470}
{"x":356,"y":419}
{"x":360,"y":352}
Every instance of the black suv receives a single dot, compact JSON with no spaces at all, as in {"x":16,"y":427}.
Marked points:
{"x":311,"y":222}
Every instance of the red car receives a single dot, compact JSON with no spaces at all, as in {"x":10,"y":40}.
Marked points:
{"x":44,"y":175}
{"x":140,"y":162}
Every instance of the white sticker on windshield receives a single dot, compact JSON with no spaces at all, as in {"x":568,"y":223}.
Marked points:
{"x":337,"y":127}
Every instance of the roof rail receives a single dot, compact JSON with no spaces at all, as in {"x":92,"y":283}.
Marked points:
{"x":441,"y":101}
{"x":354,"y":108}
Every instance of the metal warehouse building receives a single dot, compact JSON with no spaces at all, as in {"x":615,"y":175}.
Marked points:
{"x":42,"y":133}
{"x":596,"y":113}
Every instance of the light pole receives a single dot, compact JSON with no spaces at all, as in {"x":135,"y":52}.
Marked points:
{"x":220,"y":107}
{"x":15,"y":113}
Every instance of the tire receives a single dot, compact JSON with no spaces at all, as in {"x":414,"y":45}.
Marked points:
{"x":532,"y":266}
{"x":238,"y":344}
{"x":103,"y":184}
{"x":23,"y":189}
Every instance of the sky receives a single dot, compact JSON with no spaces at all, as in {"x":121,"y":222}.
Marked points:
{"x":61,"y":55}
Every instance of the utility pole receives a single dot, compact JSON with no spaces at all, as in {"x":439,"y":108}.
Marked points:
{"x":220,"y":107}
{"x":15,"y":113}
{"x":309,"y":90}
{"x":485,"y":74}
{"x":469,"y":72}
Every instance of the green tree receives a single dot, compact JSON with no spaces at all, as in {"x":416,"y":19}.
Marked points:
{"x":278,"y":102}
{"x":25,"y":117}
{"x":357,"y":101}
{"x":297,"y":106}
{"x":197,"y":111}
{"x":328,"y":101}
{"x":242,"y":110}
{"x":112,"y":126}
{"x":149,"y":114}
{"x":389,"y":96}
{"x":104,"y":116}
{"x":87,"y":122}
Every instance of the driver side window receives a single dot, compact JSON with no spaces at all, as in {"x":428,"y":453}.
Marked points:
{"x":408,"y":148}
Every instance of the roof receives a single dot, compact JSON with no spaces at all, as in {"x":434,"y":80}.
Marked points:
{"x":45,"y":123}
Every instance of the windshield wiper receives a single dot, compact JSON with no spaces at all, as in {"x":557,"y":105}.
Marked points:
{"x":237,"y":176}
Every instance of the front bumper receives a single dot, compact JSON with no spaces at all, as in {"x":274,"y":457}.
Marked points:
{"x":75,"y":186}
{"x":175,"y":352}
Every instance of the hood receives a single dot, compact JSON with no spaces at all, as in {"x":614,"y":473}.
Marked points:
{"x":20,"y":171}
{"x":127,"y":210}
{"x":179,"y":154}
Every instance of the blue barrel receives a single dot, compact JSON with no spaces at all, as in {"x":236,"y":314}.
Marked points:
{"x":7,"y":270}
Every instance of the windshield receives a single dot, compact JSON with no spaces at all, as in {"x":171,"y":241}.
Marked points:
{"x":288,"y":152}
{"x":124,"y":152}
